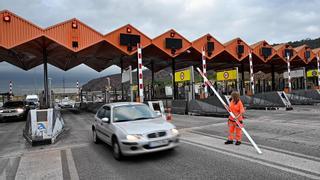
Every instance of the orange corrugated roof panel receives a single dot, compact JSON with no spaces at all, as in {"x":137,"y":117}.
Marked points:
{"x":17,"y":30}
{"x":114,"y":38}
{"x":231,"y":47}
{"x":257,"y":50}
{"x":159,"y":42}
{"x":73,"y":34}
{"x":201,"y":43}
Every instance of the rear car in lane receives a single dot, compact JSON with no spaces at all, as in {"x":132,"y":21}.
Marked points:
{"x":132,"y":129}
{"x":14,"y":110}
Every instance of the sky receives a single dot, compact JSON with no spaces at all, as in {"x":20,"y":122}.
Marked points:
{"x":252,"y":20}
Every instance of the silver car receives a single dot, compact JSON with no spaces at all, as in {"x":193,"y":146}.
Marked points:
{"x":133,"y":128}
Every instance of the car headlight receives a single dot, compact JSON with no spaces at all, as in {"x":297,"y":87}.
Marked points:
{"x":174,"y":131}
{"x":1,"y":111}
{"x":134,"y":137}
{"x":19,"y":110}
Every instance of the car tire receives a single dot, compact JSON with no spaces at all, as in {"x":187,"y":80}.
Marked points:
{"x":116,"y":151}
{"x":95,"y":137}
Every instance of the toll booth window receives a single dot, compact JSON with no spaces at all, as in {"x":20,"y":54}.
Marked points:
{"x":156,"y":106}
{"x":42,"y":116}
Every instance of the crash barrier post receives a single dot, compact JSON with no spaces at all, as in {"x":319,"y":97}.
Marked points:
{"x":179,"y":106}
{"x":43,"y":126}
{"x":227,"y":108}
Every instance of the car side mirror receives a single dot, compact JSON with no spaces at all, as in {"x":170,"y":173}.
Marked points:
{"x":105,"y":120}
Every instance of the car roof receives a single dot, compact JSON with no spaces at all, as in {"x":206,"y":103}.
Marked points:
{"x":116,"y":104}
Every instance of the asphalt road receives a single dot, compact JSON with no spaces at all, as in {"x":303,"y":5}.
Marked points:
{"x":74,"y":156}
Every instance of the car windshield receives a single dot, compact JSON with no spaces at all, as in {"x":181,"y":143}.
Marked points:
{"x":13,"y":104}
{"x":132,"y":113}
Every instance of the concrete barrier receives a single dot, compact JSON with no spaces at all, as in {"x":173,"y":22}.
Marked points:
{"x":310,"y":93}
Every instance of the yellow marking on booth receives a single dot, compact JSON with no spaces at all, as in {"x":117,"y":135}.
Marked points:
{"x":184,"y":75}
{"x":227,"y":75}
{"x":312,"y":73}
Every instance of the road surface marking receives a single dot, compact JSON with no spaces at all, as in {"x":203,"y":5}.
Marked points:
{"x":41,"y":165}
{"x":264,"y":147}
{"x":72,"y":167}
{"x":282,"y":161}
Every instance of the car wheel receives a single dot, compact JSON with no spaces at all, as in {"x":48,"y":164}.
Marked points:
{"x":116,"y":151}
{"x":95,"y":138}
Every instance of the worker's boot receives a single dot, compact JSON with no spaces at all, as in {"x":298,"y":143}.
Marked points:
{"x":228,"y":142}
{"x":238,"y":143}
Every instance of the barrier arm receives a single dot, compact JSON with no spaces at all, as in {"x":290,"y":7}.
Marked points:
{"x":227,"y":108}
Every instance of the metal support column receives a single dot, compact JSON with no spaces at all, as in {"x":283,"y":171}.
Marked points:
{"x":45,"y":78}
{"x":243,"y":88}
{"x":152,"y":80}
{"x":174,"y":79}
{"x":305,"y":78}
{"x":122,"y":93}
{"x":273,"y":82}
{"x":193,"y":95}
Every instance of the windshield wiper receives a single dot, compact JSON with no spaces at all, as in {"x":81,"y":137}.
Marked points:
{"x":124,"y":120}
{"x":142,"y":118}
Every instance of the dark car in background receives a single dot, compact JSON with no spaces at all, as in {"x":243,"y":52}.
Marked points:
{"x":14,"y":110}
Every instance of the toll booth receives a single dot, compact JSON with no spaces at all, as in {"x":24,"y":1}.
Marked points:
{"x":227,"y":81}
{"x":184,"y":82}
{"x":43,"y":126}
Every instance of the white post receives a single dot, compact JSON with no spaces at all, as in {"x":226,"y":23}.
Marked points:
{"x":227,"y":108}
{"x":318,"y":64}
{"x":131,"y":88}
{"x":289,"y":76}
{"x":10,"y":90}
{"x":204,"y":69}
{"x":140,"y":72}
{"x":251,"y":73}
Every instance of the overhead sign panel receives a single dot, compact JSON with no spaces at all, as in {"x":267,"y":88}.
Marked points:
{"x":312,"y":73}
{"x":227,"y":75}
{"x":184,"y":75}
{"x":294,"y":74}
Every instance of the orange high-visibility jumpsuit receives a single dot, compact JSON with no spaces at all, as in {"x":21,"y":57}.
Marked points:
{"x":236,"y":109}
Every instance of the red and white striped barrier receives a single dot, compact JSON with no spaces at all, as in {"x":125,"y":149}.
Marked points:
{"x":251,"y":72}
{"x":289,"y":76}
{"x":204,"y":69}
{"x":10,"y":88}
{"x":78,"y":87}
{"x":318,"y":64}
{"x":140,"y":72}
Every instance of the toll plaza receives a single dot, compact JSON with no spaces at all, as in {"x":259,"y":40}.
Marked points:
{"x":267,"y":76}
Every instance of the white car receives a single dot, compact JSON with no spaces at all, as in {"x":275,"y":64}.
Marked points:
{"x":132,"y":129}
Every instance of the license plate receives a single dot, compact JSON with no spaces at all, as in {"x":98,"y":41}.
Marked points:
{"x":158,"y":143}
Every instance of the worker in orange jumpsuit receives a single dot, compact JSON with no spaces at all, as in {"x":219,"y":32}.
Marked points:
{"x":236,"y":107}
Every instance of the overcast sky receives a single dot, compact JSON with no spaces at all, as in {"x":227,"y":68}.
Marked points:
{"x":252,"y":20}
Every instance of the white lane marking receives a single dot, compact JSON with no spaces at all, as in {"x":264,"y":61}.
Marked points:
{"x":26,"y":151}
{"x":255,"y":161}
{"x":71,"y":165}
{"x":263,"y":147}
{"x":38,"y":166}
{"x":282,"y":161}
